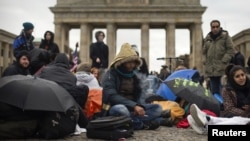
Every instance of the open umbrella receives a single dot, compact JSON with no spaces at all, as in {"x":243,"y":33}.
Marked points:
{"x":32,"y":93}
{"x":193,"y":92}
{"x":189,"y":74}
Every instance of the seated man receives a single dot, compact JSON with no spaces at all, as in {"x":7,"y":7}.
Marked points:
{"x":20,"y":66}
{"x":122,"y":91}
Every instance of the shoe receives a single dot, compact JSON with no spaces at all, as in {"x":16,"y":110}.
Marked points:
{"x":167,"y":122}
{"x":198,"y":129}
{"x":151,"y":125}
{"x":198,"y":115}
{"x":166,"y":113}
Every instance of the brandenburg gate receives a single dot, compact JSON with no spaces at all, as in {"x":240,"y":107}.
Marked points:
{"x":87,"y":15}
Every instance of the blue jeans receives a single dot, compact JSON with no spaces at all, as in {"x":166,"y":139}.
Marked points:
{"x":153,"y":111}
{"x":215,"y":84}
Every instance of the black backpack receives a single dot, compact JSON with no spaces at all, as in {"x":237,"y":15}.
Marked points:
{"x":110,"y":128}
{"x":16,"y":123}
{"x":55,"y":125}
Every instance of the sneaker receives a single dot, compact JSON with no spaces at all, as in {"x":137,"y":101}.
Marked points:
{"x":198,"y":129}
{"x":198,"y":115}
{"x":151,"y":125}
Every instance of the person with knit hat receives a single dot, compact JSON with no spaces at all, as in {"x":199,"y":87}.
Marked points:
{"x":122,"y":92}
{"x":25,"y":40}
{"x":20,"y":66}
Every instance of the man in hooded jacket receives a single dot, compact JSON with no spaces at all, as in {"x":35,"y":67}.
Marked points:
{"x":59,"y":72}
{"x":122,"y":92}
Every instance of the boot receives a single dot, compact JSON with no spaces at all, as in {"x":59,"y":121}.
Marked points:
{"x":166,"y":113}
{"x":167,"y":122}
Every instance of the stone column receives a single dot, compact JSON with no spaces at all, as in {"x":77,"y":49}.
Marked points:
{"x":145,"y":42}
{"x":66,"y":30}
{"x":170,"y":44}
{"x":6,"y":57}
{"x":196,"y":45}
{"x":85,"y":42}
{"x":111,"y":40}
{"x":1,"y":58}
{"x":247,"y":46}
{"x":58,"y":36}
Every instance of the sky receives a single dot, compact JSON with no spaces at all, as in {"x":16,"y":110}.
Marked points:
{"x":233,"y":15}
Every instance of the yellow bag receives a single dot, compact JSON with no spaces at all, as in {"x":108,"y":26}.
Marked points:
{"x":176,"y":111}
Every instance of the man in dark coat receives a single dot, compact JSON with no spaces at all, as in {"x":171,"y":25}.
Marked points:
{"x":122,"y":92}
{"x":59,"y":72}
{"x":20,"y":66}
{"x":99,"y":54}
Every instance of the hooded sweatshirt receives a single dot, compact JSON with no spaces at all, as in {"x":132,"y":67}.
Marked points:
{"x":113,"y":80}
{"x":59,"y":72}
{"x":85,"y":78}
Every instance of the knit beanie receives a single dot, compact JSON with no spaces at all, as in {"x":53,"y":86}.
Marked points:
{"x":27,"y":26}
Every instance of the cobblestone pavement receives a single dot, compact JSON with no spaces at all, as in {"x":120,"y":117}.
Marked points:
{"x":162,"y":134}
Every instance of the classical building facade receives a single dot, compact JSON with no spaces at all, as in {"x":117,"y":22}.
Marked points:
{"x":87,"y":15}
{"x":6,"y":51}
{"x":170,"y":15}
{"x":242,"y":41}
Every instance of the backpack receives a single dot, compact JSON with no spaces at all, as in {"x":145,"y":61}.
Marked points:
{"x":22,"y":129}
{"x":110,"y":128}
{"x":15,"y":123}
{"x":55,"y":125}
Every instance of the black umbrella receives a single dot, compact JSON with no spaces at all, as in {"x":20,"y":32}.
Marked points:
{"x":193,"y":92}
{"x":32,"y":93}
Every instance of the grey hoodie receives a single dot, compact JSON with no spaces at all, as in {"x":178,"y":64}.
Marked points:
{"x":85,"y":78}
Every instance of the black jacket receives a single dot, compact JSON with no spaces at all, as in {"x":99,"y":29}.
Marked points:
{"x":59,"y":72}
{"x":238,"y":59}
{"x":101,"y":51}
{"x":50,"y":46}
{"x":14,"y":69}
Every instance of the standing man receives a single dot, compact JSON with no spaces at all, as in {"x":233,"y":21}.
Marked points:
{"x":25,"y":40}
{"x":217,"y":53}
{"x":99,"y":53}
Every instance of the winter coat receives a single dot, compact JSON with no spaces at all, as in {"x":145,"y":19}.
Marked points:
{"x":23,"y":42}
{"x":59,"y":72}
{"x":217,"y":54}
{"x":15,"y":69}
{"x":231,"y":105}
{"x":101,"y":51}
{"x":50,"y":46}
{"x":85,"y":78}
{"x":112,"y":80}
{"x":39,"y":58}
{"x":238,"y":59}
